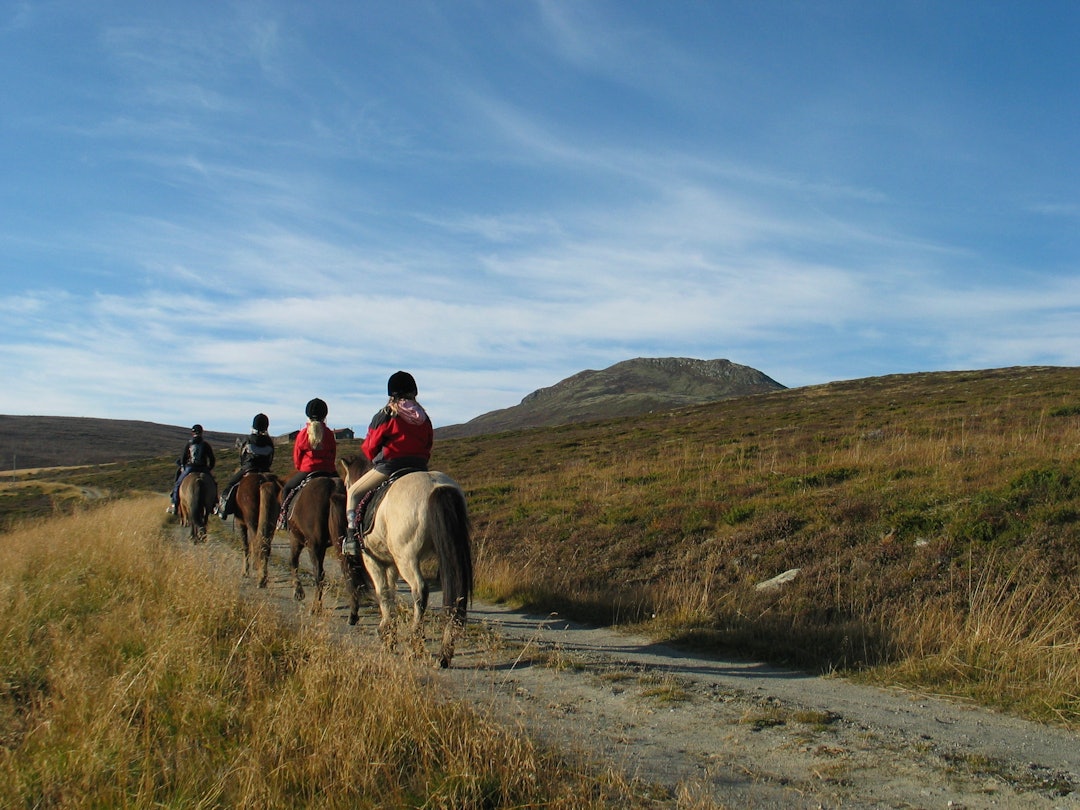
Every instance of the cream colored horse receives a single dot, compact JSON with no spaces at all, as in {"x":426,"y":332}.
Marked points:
{"x":422,"y":516}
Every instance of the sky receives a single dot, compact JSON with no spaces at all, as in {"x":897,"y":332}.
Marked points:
{"x":214,"y":209}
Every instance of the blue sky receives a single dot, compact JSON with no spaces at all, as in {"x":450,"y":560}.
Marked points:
{"x":210,"y":209}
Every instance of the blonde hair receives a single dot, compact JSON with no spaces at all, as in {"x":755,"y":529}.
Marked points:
{"x":315,"y":430}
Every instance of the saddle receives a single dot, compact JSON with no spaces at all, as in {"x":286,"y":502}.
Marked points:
{"x":290,"y":499}
{"x":369,"y":504}
{"x":228,"y":497}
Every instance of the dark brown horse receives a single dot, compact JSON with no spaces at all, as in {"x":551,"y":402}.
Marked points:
{"x":258,"y":501}
{"x":198,"y":494}
{"x":317,"y":522}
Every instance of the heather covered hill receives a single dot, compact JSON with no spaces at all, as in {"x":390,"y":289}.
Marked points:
{"x":28,"y":442}
{"x":630,"y":388}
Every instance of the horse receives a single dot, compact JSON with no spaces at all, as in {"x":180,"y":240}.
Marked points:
{"x":198,"y":494}
{"x":423,"y":515}
{"x":316,"y":521}
{"x":258,"y":501}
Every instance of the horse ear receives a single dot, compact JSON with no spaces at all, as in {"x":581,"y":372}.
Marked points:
{"x":343,"y":470}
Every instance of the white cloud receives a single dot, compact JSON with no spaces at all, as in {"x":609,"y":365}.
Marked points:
{"x":235,"y":210}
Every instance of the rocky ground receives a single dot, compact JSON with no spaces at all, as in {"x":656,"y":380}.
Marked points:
{"x":742,"y":733}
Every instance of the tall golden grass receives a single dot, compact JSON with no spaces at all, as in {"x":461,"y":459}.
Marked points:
{"x":133,"y":674}
{"x":1014,"y":643}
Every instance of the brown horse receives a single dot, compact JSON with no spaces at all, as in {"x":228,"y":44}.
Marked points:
{"x":258,"y":501}
{"x":317,"y":522}
{"x":198,"y":494}
{"x":422,"y":516}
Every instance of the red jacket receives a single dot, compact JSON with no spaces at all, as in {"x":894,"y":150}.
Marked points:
{"x":401,"y":439}
{"x":309,"y":459}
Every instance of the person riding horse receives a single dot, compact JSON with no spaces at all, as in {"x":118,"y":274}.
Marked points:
{"x":197,"y":456}
{"x":256,"y":455}
{"x":399,"y":437}
{"x":314,"y":451}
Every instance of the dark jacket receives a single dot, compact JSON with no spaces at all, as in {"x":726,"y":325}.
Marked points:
{"x":258,"y":453}
{"x":198,"y":455}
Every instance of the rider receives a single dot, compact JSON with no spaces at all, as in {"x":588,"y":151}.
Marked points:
{"x":399,"y":437}
{"x":315,"y":450}
{"x":197,"y":456}
{"x":256,"y":455}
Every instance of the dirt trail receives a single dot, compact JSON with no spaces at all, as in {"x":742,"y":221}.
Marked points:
{"x":745,"y":734}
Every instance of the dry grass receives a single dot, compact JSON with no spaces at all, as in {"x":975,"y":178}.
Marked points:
{"x":1015,"y":644}
{"x":934,"y":521}
{"x":133,"y":676}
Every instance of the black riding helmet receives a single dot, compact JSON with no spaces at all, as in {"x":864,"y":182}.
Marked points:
{"x":261,"y":422}
{"x":401,"y":384}
{"x":196,"y":430}
{"x":316,"y":409}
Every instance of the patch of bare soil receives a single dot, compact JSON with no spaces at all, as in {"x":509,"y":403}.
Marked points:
{"x":738,"y":732}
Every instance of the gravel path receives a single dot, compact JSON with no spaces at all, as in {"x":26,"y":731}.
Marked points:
{"x":741,"y":733}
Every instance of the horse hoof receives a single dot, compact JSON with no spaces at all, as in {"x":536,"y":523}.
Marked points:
{"x":262,"y":583}
{"x":353,"y":619}
{"x":444,"y":662}
{"x":298,"y":596}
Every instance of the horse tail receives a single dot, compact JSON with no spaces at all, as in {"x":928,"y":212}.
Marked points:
{"x":198,"y":509}
{"x":269,"y":506}
{"x":450,"y":530}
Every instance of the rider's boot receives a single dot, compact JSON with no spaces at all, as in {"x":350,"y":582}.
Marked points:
{"x":350,"y":545}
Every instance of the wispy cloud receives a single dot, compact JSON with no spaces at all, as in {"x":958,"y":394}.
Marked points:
{"x":237,"y":209}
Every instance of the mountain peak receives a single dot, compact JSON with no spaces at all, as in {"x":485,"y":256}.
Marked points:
{"x":627,"y":388}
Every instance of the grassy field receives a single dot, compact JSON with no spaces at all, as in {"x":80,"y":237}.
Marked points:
{"x":933,"y":521}
{"x":133,"y":675}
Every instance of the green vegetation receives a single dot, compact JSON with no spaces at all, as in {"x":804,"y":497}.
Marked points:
{"x":934,"y":520}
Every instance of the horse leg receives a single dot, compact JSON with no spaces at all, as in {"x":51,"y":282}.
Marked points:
{"x":294,"y":565}
{"x":384,"y":577}
{"x":353,"y":569}
{"x":264,"y":561}
{"x":318,"y":557}
{"x":419,"y":588}
{"x":455,"y":628}
{"x":245,"y":539}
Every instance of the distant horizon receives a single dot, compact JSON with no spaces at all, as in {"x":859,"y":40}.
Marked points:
{"x":360,"y":429}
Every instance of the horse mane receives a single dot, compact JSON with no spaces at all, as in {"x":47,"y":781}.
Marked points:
{"x":352,"y":467}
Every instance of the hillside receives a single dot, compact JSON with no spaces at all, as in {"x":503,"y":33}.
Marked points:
{"x":630,"y":388}
{"x":29,"y":442}
{"x":927,"y":525}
